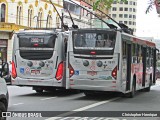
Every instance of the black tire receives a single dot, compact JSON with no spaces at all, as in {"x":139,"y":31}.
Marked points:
{"x":2,"y":109}
{"x":39,"y":91}
{"x":148,"y":89}
{"x":132,"y":93}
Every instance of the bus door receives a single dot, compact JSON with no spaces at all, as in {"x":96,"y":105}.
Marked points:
{"x":144,"y":65}
{"x":154,"y":66}
{"x":129,"y":60}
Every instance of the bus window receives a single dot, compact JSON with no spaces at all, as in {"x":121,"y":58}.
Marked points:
{"x":124,"y":49}
{"x":139,"y":51}
{"x":65,"y":46}
{"x":134,"y":56}
{"x":32,"y":46}
{"x":94,"y":40}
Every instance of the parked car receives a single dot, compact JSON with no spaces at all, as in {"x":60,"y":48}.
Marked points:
{"x":4,"y":97}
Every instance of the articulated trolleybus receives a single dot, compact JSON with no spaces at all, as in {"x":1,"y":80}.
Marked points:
{"x":38,"y":59}
{"x":109,"y":60}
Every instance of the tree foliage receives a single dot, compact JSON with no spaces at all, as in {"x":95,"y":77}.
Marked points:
{"x":105,"y":3}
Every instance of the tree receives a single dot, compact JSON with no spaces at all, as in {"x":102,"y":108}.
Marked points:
{"x":150,"y":6}
{"x":105,"y":3}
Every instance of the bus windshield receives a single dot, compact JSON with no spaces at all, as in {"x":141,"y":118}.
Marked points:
{"x":94,"y":40}
{"x":40,"y":41}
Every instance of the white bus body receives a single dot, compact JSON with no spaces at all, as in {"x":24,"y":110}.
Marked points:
{"x":109,"y":60}
{"x":39,"y":59}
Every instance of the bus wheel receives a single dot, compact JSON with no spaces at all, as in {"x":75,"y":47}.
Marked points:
{"x":148,"y":88}
{"x":2,"y":109}
{"x":132,"y":93}
{"x":39,"y":91}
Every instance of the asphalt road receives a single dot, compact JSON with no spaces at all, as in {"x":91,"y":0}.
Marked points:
{"x":24,"y":100}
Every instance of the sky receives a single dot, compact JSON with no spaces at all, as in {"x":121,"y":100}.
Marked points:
{"x":148,"y":25}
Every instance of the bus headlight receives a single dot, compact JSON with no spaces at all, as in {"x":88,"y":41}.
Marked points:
{"x":85,"y":63}
{"x":99,"y":63}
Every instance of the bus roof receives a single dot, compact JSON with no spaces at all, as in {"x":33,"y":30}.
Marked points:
{"x":140,"y":41}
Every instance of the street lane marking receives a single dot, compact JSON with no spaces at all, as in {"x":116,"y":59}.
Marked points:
{"x":18,"y":104}
{"x":48,"y":98}
{"x":83,"y":108}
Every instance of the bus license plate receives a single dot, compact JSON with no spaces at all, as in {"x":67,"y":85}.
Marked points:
{"x":92,"y":73}
{"x":35,"y":72}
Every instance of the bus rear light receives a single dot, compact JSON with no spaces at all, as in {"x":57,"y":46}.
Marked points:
{"x":59,"y":73}
{"x":36,"y":45}
{"x":114,"y":73}
{"x":93,"y":52}
{"x":71,"y":71}
{"x":14,"y":72}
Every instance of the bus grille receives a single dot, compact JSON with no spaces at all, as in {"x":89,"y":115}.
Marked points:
{"x":36,"y":54}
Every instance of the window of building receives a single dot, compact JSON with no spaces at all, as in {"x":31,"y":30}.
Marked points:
{"x":19,"y":15}
{"x":121,"y":15}
{"x":130,"y":23}
{"x":49,"y":21}
{"x":121,"y":9}
{"x":126,"y":2}
{"x":130,"y":2}
{"x":120,"y":21}
{"x":134,"y":10}
{"x":114,"y":15}
{"x":134,"y":16}
{"x":130,"y":9}
{"x":125,"y":22}
{"x":57,"y":22}
{"x":40,"y":13}
{"x":130,"y":16}
{"x":125,"y":9}
{"x":125,"y":15}
{"x":121,"y":2}
{"x":134,"y":3}
{"x":114,"y":2}
{"x":30,"y":17}
{"x":3,"y":12}
{"x":114,"y":9}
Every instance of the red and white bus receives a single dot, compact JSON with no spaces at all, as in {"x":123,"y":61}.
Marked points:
{"x":109,"y":60}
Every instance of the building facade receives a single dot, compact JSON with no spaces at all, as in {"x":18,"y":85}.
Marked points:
{"x":125,"y":13}
{"x":20,"y":14}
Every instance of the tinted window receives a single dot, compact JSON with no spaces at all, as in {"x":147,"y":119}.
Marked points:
{"x":90,"y":40}
{"x":40,"y":41}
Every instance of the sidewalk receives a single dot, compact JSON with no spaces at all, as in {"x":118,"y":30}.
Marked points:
{"x":158,"y":81}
